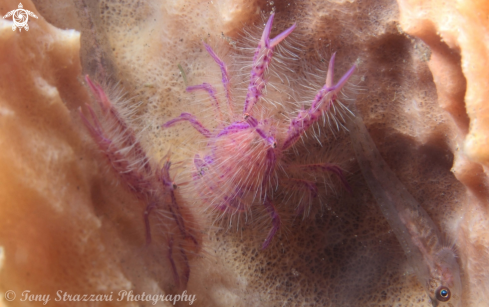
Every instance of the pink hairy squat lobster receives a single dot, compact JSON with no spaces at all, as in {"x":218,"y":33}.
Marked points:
{"x":151,"y":184}
{"x":244,"y":162}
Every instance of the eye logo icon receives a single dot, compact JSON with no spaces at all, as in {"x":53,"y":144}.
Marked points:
{"x":20,"y":18}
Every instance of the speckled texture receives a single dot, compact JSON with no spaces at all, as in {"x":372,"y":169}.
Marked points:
{"x":68,"y":211}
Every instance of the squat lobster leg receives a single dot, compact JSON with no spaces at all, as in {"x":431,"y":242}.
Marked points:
{"x":192,"y":120}
{"x":312,"y":192}
{"x":327,"y":167}
{"x":164,"y":177}
{"x":211,"y":91}
{"x":147,"y":212}
{"x":225,"y":77}
{"x":276,"y":222}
